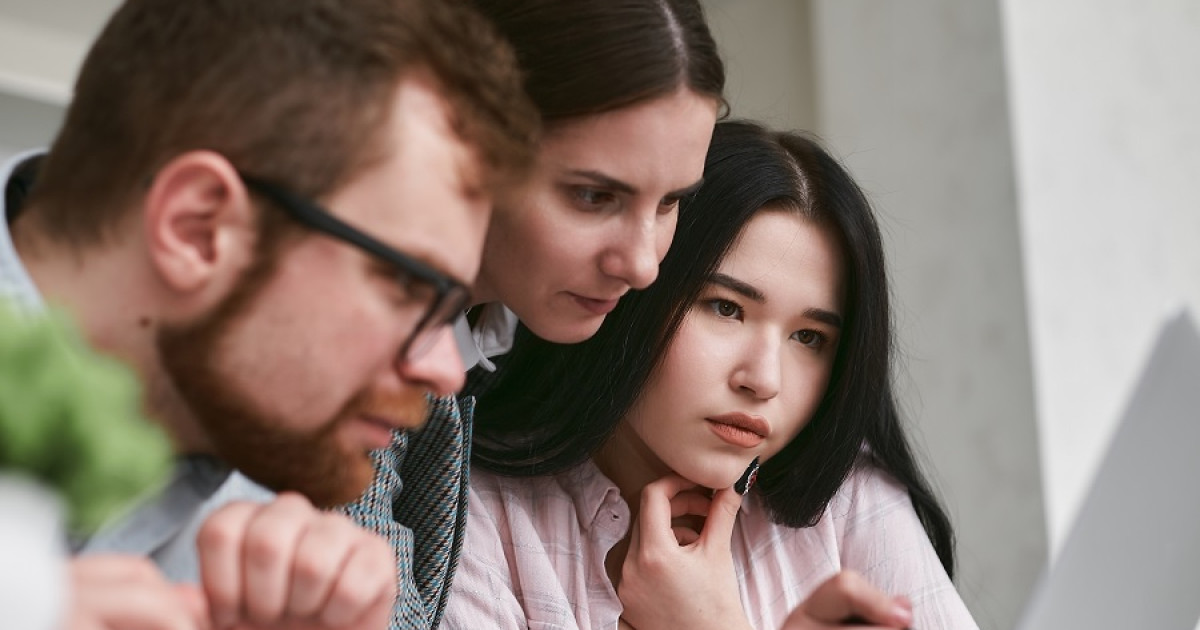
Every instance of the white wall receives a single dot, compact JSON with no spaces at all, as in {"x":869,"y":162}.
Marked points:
{"x":41,"y":46}
{"x":26,"y":123}
{"x":913,"y":96}
{"x":768,"y":59}
{"x":1106,"y":110}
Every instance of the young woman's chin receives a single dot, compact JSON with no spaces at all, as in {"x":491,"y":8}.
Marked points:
{"x":713,"y":478}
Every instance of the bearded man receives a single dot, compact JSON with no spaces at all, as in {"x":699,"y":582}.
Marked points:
{"x":271,"y":210}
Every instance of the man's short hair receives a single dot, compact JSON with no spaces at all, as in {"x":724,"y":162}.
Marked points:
{"x":294,"y":91}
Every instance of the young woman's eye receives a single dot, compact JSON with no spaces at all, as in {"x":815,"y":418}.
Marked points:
{"x":725,"y":308}
{"x":810,"y":338}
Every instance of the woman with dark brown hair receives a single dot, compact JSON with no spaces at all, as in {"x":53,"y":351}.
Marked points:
{"x":628,"y":93}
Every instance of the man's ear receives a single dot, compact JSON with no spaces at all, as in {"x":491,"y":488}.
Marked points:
{"x":199,"y":223}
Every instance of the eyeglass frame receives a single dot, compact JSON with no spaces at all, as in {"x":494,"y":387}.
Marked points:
{"x":450,"y":294}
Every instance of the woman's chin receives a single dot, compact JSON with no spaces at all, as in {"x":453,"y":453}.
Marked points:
{"x":566,"y":333}
{"x":711,"y":480}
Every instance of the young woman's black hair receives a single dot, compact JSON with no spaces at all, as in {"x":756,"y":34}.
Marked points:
{"x":552,"y":406}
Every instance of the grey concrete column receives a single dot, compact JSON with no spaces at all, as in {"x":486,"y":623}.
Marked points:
{"x":914,"y":96}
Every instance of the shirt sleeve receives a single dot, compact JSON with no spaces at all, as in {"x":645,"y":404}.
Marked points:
{"x":482,"y":594}
{"x":883,"y":540}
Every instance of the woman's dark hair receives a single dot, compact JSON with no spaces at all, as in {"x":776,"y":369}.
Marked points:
{"x":552,"y":406}
{"x":583,"y":57}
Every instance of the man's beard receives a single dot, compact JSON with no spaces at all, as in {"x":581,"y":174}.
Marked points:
{"x":260,"y":444}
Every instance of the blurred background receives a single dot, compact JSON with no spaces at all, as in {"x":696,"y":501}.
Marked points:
{"x":1035,"y":167}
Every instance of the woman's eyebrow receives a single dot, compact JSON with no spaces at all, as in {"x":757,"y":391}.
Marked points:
{"x":737,"y":286}
{"x":605,"y":181}
{"x":686,"y":191}
{"x":826,"y":317}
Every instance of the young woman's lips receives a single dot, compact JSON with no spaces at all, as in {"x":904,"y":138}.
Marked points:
{"x":740,"y":429}
{"x":597,"y":307}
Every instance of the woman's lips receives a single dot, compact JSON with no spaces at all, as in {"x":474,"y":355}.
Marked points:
{"x":594,"y":306}
{"x":740,"y":429}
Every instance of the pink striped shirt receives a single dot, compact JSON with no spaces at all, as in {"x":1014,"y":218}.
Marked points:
{"x":534,"y":554}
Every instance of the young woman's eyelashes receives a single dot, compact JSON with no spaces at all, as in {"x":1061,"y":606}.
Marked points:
{"x":814,"y":339}
{"x":725,"y":308}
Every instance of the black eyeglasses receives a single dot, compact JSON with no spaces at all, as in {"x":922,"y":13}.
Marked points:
{"x":443,"y":298}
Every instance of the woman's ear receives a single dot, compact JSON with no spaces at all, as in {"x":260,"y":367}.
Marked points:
{"x":199,"y":224}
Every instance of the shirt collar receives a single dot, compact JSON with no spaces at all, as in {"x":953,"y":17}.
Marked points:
{"x":492,"y":336}
{"x":596,"y":497}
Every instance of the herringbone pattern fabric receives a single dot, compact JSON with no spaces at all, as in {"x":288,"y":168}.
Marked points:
{"x":424,"y":519}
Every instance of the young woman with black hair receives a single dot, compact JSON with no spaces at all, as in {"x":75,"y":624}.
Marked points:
{"x":602,"y":491}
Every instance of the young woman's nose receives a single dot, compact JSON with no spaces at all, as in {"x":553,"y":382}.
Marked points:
{"x":439,"y":370}
{"x":757,"y":371}
{"x":633,"y":253}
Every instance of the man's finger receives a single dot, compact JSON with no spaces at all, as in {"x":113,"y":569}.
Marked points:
{"x":219,"y":552}
{"x":321,"y":556}
{"x":365,"y":589}
{"x":128,"y":593}
{"x":268,"y":551}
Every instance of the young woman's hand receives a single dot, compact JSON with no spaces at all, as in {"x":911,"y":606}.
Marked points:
{"x":674,"y":576}
{"x":847,"y":599}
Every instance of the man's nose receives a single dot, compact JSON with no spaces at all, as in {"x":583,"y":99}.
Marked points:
{"x":439,"y":370}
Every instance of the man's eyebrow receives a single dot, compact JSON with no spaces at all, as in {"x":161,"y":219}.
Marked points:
{"x":737,"y":286}
{"x":388,"y":269}
{"x":437,"y":266}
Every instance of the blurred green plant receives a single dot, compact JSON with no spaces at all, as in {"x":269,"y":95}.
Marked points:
{"x":71,"y":419}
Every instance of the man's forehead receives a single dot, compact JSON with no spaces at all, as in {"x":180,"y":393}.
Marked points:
{"x":425,"y":195}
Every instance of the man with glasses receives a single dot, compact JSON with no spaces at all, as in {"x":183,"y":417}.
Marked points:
{"x":271,"y":210}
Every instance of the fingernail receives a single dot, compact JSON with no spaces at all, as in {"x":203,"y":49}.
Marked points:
{"x":902,"y":615}
{"x":748,"y":478}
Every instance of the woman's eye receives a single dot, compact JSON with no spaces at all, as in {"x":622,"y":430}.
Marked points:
{"x":591,"y":197}
{"x":668,"y":205}
{"x":725,"y":308}
{"x":810,"y":338}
